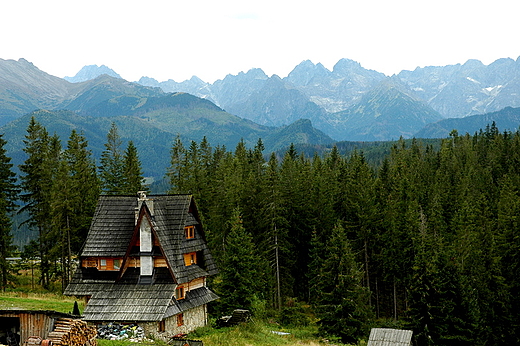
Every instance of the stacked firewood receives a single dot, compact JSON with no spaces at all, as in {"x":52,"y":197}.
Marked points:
{"x":72,"y":332}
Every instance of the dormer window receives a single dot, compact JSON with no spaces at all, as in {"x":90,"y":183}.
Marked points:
{"x":189,"y":232}
{"x":190,"y":258}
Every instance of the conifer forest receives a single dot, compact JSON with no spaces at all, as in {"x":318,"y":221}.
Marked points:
{"x":427,"y":238}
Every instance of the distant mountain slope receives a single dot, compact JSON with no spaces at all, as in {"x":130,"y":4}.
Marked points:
{"x":91,"y":72}
{"x":386,"y":112}
{"x":152,"y":123}
{"x":471,"y":88}
{"x":24,"y":88}
{"x":507,"y":119}
{"x":92,"y":92}
{"x":334,"y":90}
{"x":276,"y":103}
{"x":153,"y":143}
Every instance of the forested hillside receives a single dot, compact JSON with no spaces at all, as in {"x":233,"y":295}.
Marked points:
{"x":434,"y":232}
{"x":428,"y":237}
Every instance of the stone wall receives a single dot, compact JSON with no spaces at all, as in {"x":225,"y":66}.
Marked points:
{"x":192,"y":319}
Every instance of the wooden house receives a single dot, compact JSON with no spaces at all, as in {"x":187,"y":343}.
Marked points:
{"x":145,"y":261}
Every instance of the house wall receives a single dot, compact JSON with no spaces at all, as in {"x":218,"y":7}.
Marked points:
{"x":193,"y":319}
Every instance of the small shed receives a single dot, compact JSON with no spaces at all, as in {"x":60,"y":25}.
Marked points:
{"x":16,"y":326}
{"x":390,"y":337}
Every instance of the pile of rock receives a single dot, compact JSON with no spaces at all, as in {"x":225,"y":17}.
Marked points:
{"x":115,"y":331}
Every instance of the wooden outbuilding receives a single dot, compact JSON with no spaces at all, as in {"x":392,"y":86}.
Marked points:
{"x":145,"y":261}
{"x":17,"y":326}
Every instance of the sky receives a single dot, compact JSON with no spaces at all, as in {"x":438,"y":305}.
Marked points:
{"x":170,"y":39}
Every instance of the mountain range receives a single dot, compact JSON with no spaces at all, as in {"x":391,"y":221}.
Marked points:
{"x":311,"y":105}
{"x":332,"y":100}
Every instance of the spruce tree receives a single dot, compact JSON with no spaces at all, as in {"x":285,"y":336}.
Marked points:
{"x":342,"y":302}
{"x":36,"y":185}
{"x":238,"y":275}
{"x":8,"y":195}
{"x":85,"y":184}
{"x":111,"y":163}
{"x":133,"y":179}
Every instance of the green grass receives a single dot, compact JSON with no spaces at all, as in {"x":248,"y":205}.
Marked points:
{"x":258,"y":333}
{"x":37,"y":301}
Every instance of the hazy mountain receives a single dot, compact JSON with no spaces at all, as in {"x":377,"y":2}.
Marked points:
{"x":194,"y":86}
{"x":24,"y":88}
{"x":92,"y":92}
{"x":334,"y":90}
{"x":472,"y":88}
{"x":347,"y":103}
{"x":276,"y":103}
{"x":91,"y":72}
{"x":507,"y":119}
{"x":384,"y":113}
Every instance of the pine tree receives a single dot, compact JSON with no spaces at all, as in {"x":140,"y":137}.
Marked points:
{"x":133,"y":179}
{"x":8,"y":195}
{"x":111,"y":163}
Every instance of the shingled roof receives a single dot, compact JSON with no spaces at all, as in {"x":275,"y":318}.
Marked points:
{"x":117,"y":295}
{"x":113,"y":225}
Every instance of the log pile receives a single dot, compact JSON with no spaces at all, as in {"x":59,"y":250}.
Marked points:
{"x":72,"y":332}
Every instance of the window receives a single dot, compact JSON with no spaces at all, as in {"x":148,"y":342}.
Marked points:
{"x":179,"y":292}
{"x":117,"y":264}
{"x":180,"y":319}
{"x":190,"y":232}
{"x":162,"y":326}
{"x":190,"y":258}
{"x":103,"y":264}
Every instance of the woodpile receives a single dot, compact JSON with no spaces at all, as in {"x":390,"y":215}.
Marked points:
{"x":72,"y":332}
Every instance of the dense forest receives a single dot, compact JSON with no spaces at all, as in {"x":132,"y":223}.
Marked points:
{"x":428,"y":237}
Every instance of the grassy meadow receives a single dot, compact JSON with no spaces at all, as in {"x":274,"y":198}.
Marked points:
{"x":26,"y":294}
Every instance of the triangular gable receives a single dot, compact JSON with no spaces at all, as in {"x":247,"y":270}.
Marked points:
{"x":143,"y":216}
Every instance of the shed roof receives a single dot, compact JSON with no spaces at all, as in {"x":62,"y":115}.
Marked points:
{"x":129,"y":303}
{"x":390,"y":337}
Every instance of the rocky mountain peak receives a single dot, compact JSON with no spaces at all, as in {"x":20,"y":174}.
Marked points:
{"x":91,"y":72}
{"x":305,"y":72}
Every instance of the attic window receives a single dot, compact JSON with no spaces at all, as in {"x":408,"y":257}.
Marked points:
{"x":189,"y":232}
{"x":190,"y":258}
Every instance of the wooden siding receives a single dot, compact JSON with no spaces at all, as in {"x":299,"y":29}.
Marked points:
{"x":34,"y":323}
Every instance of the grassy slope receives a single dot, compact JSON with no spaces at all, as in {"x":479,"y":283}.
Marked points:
{"x":37,"y":301}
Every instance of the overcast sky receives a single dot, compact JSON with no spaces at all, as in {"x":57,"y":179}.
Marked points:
{"x":210,"y":39}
